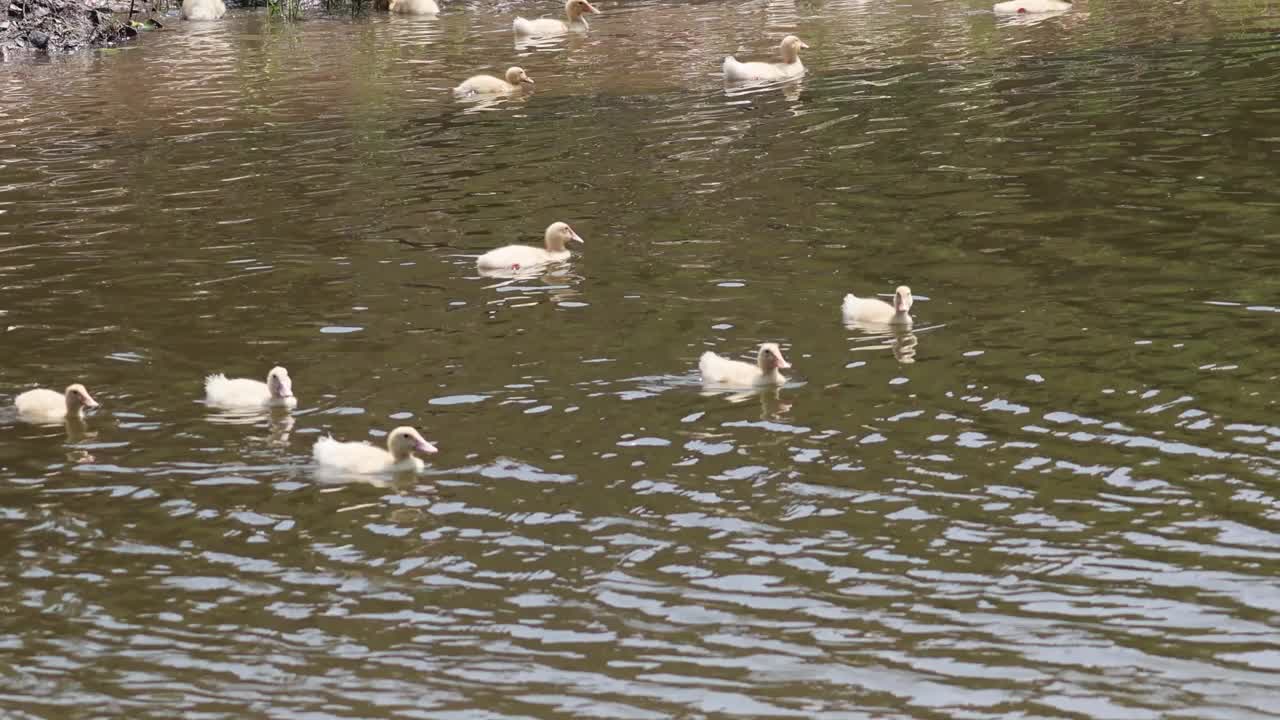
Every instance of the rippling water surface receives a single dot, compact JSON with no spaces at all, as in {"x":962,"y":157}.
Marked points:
{"x":1057,"y":496}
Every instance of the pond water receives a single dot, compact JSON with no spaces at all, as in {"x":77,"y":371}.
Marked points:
{"x":1056,"y":496}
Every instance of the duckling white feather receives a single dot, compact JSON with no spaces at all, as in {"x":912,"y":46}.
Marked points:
{"x":203,"y":9}
{"x":573,"y":10}
{"x":43,"y":405}
{"x":723,"y":372}
{"x":365,"y":459}
{"x":878,"y":312}
{"x":541,"y":26}
{"x":484,"y":85}
{"x":224,"y":392}
{"x":761,"y":71}
{"x":490,"y":85}
{"x":358,"y":457}
{"x":790,"y":67}
{"x":519,"y":257}
{"x":414,"y":7}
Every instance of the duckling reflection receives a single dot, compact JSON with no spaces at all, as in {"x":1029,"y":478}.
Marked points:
{"x":904,"y":346}
{"x":279,"y":428}
{"x":78,"y":432}
{"x":280,"y":422}
{"x":790,"y":88}
{"x":772,"y":406}
{"x":523,"y":287}
{"x":901,"y":340}
{"x":490,"y":102}
{"x":567,"y":41}
{"x":399,"y":480}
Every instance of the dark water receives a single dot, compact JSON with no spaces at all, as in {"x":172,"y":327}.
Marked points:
{"x":1057,"y":497}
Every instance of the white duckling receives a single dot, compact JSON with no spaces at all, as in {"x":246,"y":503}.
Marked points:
{"x":721,"y":371}
{"x":518,"y":257}
{"x":1031,"y":6}
{"x":414,"y":7}
{"x":790,"y":67}
{"x":879,"y":312}
{"x":203,"y":9}
{"x":573,"y":9}
{"x":490,"y":85}
{"x":49,"y":406}
{"x":242,"y":393}
{"x":363,"y":458}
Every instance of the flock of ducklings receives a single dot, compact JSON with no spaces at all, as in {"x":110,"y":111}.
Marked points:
{"x":48,"y":406}
{"x":575,"y":20}
{"x":44,"y":406}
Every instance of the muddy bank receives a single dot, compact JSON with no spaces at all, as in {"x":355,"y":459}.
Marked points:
{"x":63,"y":25}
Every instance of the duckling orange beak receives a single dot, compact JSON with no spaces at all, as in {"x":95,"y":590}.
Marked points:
{"x":574,"y":236}
{"x":592,"y":9}
{"x":89,"y":402}
{"x":424,"y":447}
{"x":526,"y":79}
{"x":782,"y":363}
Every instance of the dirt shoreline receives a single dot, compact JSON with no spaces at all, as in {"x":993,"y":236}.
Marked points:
{"x":57,"y":26}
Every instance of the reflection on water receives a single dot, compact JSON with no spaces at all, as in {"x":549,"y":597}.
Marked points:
{"x":1053,"y":496}
{"x":770,"y":398}
{"x":790,"y":89}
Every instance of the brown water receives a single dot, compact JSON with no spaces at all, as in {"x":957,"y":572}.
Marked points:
{"x":1059,"y":496}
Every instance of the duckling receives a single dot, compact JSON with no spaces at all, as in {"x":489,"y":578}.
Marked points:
{"x":203,"y":9}
{"x":490,"y":85}
{"x":790,"y":67}
{"x":363,"y":458}
{"x":518,"y":257}
{"x":234,"y":393}
{"x":724,"y":372}
{"x":879,"y":312}
{"x":414,"y":7}
{"x":48,"y":406}
{"x":573,"y":9}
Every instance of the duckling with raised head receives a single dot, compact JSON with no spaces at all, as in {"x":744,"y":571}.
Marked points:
{"x":879,"y":312}
{"x":241,"y":393}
